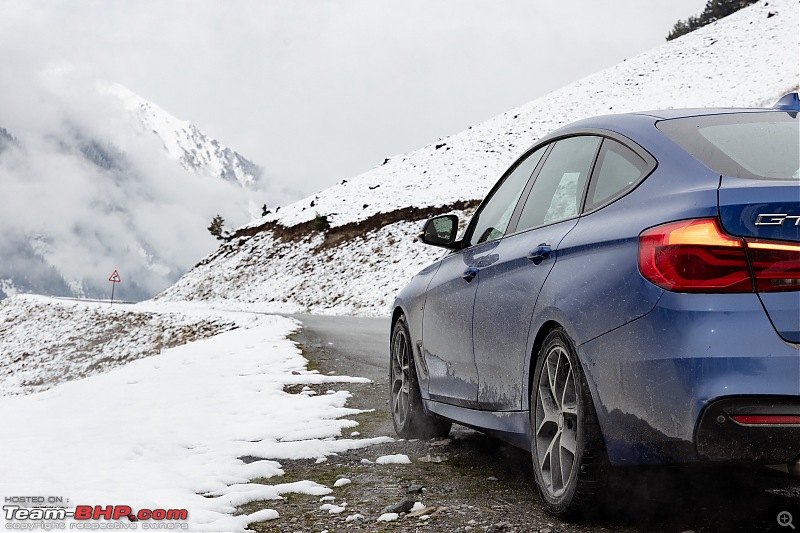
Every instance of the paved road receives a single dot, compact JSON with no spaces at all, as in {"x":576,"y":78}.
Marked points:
{"x":360,"y":340}
{"x":651,"y":499}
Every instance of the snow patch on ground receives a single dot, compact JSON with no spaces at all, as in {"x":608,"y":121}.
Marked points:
{"x":397,"y":459}
{"x":171,"y":430}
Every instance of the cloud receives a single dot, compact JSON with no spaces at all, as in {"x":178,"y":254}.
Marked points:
{"x":89,"y":193}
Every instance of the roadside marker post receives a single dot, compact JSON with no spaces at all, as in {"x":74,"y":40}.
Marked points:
{"x":114,"y":279}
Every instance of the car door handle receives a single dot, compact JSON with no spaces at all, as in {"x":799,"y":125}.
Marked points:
{"x":470,"y":273}
{"x":541,"y":253}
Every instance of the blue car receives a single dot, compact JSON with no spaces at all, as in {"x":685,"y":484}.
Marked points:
{"x":627,"y":294}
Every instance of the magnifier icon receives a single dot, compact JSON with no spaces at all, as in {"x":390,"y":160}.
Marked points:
{"x":785,"y":519}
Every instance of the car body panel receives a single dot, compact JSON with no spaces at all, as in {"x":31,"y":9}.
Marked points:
{"x":447,"y":328}
{"x":511,"y":426}
{"x":654,"y":376}
{"x":744,"y":202}
{"x":507,"y":292}
{"x":410,"y":302}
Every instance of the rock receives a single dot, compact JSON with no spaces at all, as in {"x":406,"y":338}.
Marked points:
{"x":443,"y":442}
{"x":414,"y":489}
{"x":430,"y":459}
{"x":492,"y":478}
{"x":403,"y":506}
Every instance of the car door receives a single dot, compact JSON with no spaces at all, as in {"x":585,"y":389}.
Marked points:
{"x":509,"y":286}
{"x":447,"y":313}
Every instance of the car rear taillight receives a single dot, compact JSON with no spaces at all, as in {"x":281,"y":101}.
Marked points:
{"x":776,"y":265}
{"x":698,"y":256}
{"x":767,"y":420}
{"x":694,"y":256}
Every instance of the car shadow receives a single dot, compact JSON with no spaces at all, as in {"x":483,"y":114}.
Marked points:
{"x":696,"y":498}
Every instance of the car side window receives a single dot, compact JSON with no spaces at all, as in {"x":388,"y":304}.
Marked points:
{"x":492,"y":220}
{"x":558,"y":190}
{"x":618,"y":169}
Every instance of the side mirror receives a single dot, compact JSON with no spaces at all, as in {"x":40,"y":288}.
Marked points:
{"x":440,"y":231}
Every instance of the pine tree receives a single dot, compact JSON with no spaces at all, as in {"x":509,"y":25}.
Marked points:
{"x":714,"y":10}
{"x":215,"y":228}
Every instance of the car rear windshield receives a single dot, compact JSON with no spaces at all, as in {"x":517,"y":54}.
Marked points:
{"x":741,"y":145}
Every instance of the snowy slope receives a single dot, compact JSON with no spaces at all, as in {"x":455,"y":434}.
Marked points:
{"x":185,"y":143}
{"x":747,"y":59}
{"x":45,"y":342}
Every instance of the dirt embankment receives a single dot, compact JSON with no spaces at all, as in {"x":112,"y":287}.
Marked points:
{"x":337,"y":234}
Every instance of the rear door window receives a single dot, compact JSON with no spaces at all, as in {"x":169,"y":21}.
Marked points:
{"x":558,"y":190}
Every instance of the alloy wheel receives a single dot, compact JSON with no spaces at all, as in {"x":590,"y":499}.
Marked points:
{"x":400,"y":377}
{"x":556,"y":421}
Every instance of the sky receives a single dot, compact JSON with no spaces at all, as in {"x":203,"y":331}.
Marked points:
{"x":316,"y":92}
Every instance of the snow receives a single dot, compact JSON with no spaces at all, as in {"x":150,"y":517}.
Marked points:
{"x":196,"y":151}
{"x":332,"y":508}
{"x":170,"y":430}
{"x":746,"y":59}
{"x":352,"y":517}
{"x":397,"y":459}
{"x":388,"y":517}
{"x":341,"y":482}
{"x":418,"y":506}
{"x":44,"y":341}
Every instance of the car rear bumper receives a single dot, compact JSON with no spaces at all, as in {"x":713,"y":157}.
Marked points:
{"x":653,"y":379}
{"x":750,"y":429}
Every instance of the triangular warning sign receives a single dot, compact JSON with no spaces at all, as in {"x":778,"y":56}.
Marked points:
{"x":115,"y":277}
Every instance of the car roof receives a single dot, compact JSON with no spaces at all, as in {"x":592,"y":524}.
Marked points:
{"x":695,"y":112}
{"x":634,"y":124}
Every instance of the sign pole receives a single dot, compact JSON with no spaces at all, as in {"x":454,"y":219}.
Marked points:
{"x":114,"y":279}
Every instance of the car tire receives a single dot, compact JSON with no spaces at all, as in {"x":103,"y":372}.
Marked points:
{"x":569,"y":458}
{"x":410,"y":419}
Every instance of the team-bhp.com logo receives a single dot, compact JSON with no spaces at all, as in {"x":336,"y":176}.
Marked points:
{"x":83,"y":514}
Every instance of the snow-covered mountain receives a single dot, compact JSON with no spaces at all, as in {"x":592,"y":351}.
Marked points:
{"x":290,"y":261}
{"x":184,"y":142}
{"x":103,"y":180}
